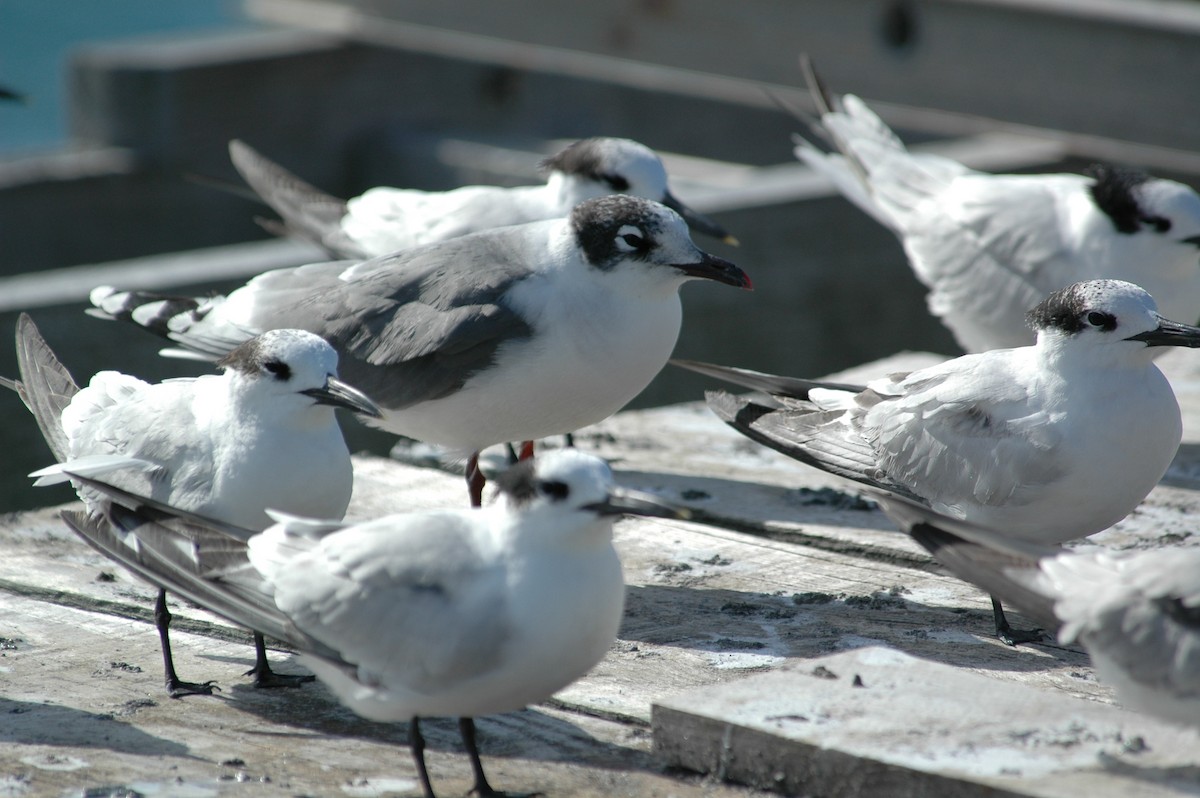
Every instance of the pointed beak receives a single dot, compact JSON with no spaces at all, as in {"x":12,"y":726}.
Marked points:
{"x":698,"y":222}
{"x":631,"y":502}
{"x":1193,"y":240}
{"x":1169,"y":333}
{"x":339,"y":394}
{"x":710,"y":267}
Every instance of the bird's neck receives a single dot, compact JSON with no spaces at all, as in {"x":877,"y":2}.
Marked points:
{"x":569,"y":190}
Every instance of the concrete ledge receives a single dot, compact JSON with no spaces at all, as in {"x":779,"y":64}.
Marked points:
{"x":156,"y":272}
{"x":1072,"y":65}
{"x":875,"y":721}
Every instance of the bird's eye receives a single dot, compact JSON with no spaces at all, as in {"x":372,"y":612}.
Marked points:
{"x":615,"y":182}
{"x":1105,"y":321}
{"x":554,"y":489}
{"x":278,"y":369}
{"x":1161,"y":223}
{"x":631,"y":238}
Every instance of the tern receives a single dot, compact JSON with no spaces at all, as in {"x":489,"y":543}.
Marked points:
{"x":989,"y":247}
{"x":385,"y":220}
{"x":1136,"y":612}
{"x":262,"y":434}
{"x":445,"y":613}
{"x":1047,"y":443}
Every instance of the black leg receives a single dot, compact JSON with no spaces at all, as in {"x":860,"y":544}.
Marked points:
{"x":512,"y":454}
{"x":176,"y":688}
{"x":417,"y":743}
{"x":1008,"y":635}
{"x":466,"y":727}
{"x":569,"y":440}
{"x":262,"y":673}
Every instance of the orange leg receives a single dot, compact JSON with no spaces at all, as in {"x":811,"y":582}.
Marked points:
{"x":475,"y":481}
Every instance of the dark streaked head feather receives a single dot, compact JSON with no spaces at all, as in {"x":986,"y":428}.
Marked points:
{"x":246,"y":358}
{"x":1114,"y":193}
{"x":519,"y":483}
{"x":1065,"y":309}
{"x":596,"y":223}
{"x":582,"y":158}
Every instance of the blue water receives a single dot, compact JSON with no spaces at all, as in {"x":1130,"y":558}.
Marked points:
{"x":36,"y":37}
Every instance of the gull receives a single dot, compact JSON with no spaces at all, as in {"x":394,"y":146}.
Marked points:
{"x":511,"y":334}
{"x":1137,"y":613}
{"x":445,"y":613}
{"x":1047,"y":443}
{"x":989,"y":247}
{"x":385,"y":220}
{"x":262,"y":434}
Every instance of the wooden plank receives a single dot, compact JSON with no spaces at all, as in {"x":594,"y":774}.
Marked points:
{"x":705,"y":604}
{"x":762,"y":581}
{"x":82,"y":709}
{"x":72,"y":284}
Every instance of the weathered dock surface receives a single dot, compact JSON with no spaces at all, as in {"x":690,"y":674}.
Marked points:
{"x":781,"y":571}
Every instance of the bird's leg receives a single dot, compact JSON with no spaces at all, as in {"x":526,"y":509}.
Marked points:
{"x":569,"y":440}
{"x":417,"y":743}
{"x":513,"y":459}
{"x":526,"y":450}
{"x":466,"y":728}
{"x":1008,"y":635}
{"x":262,"y":673}
{"x":176,"y":687}
{"x":475,"y":481}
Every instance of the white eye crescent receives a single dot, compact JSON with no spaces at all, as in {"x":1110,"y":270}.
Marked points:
{"x":631,"y":239}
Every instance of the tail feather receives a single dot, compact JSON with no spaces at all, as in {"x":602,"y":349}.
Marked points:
{"x":236,"y":604}
{"x":157,"y":509}
{"x":872,"y":168}
{"x":825,"y":101}
{"x":307,"y":211}
{"x":1006,"y":568}
{"x":46,"y":387}
{"x":199,"y":558}
{"x":774,"y":384}
{"x":795,"y":430}
{"x":849,"y":174}
{"x":89,"y":466}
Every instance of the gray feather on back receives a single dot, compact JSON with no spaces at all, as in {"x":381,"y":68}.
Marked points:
{"x":407,"y":580}
{"x":218,"y":578}
{"x":408,"y":327}
{"x":989,"y":570}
